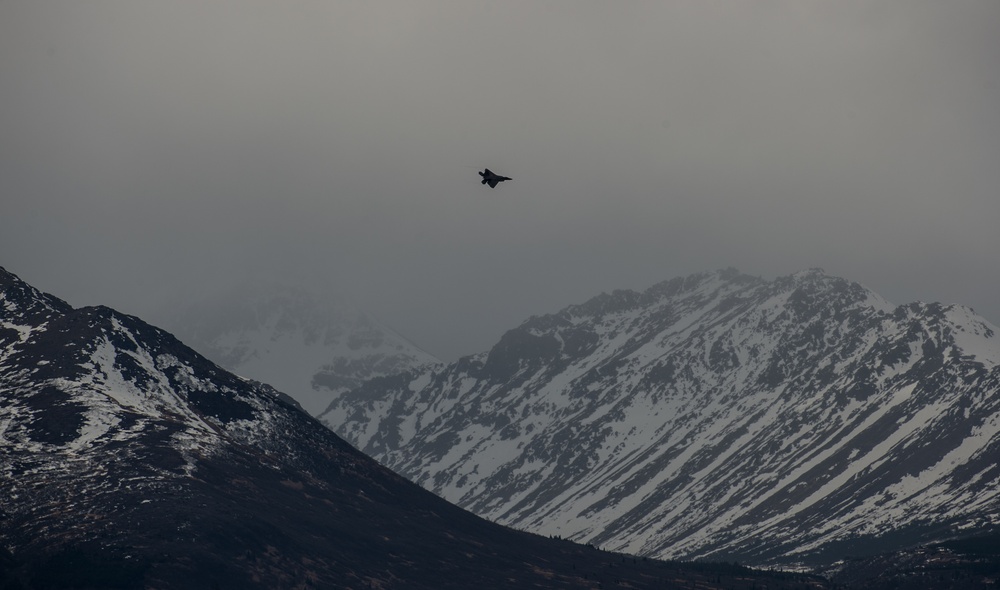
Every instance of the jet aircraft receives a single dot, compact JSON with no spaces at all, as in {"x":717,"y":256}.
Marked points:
{"x":492,"y":179}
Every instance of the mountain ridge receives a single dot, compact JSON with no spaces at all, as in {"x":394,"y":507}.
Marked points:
{"x":713,"y":416}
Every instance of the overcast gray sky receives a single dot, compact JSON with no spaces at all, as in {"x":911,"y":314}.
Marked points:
{"x":152,"y":150}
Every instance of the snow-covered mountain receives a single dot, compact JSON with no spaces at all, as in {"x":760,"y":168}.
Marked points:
{"x":716,"y":416}
{"x":128,"y":460}
{"x":310,"y":347}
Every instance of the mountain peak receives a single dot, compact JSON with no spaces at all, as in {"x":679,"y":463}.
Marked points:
{"x":19,"y":297}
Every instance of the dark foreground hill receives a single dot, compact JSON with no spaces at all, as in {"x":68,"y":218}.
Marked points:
{"x":127,"y":460}
{"x":970,"y":563}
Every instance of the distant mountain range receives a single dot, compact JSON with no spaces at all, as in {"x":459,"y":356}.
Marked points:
{"x":717,"y":416}
{"x":306,"y":345}
{"x":128,"y":460}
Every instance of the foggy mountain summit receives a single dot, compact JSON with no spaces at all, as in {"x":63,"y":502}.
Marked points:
{"x":716,"y":416}
{"x":128,"y":460}
{"x":306,"y":345}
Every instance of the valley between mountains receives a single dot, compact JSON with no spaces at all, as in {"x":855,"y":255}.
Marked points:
{"x":128,"y":461}
{"x":801,"y":423}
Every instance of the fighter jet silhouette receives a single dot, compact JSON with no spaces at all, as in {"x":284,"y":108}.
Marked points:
{"x":492,"y":179}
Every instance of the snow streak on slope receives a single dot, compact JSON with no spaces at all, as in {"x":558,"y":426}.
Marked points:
{"x":97,"y":406}
{"x":717,"y":415}
{"x":119,"y":388}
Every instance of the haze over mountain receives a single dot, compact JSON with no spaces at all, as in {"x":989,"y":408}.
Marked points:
{"x":717,"y":416}
{"x":309,"y":346}
{"x":128,"y":460}
{"x":152,"y":149}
